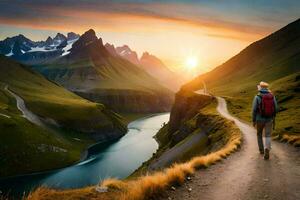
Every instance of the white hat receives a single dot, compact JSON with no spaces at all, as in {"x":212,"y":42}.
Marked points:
{"x":263,"y":84}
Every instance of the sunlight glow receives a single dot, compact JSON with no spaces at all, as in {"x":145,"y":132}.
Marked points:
{"x":191,"y":63}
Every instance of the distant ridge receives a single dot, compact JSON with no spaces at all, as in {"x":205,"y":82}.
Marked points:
{"x":94,"y":73}
{"x":270,"y":58}
{"x":151,"y":64}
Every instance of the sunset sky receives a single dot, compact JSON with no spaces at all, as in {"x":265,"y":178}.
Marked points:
{"x":211,"y":31}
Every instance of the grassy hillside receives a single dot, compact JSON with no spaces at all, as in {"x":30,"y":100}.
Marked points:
{"x":92,"y":72}
{"x":225,"y":138}
{"x":274,"y":59}
{"x":26,"y":147}
{"x":192,"y":114}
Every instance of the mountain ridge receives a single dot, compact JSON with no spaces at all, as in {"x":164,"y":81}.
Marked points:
{"x":274,"y":59}
{"x":93,"y":73}
{"x":151,"y":64}
{"x":67,"y":115}
{"x":286,"y":37}
{"x":29,"y":52}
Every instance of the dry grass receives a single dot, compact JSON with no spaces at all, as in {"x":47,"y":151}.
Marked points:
{"x":291,"y":139}
{"x":154,"y":184}
{"x":150,"y":185}
{"x":73,"y":194}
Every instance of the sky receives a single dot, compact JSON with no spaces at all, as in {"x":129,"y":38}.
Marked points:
{"x":176,"y":31}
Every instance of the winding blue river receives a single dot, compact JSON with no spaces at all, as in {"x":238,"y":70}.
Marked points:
{"x":118,"y":159}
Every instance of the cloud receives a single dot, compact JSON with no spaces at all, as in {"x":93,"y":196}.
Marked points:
{"x":127,"y":16}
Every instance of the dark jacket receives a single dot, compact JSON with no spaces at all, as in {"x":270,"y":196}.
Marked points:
{"x":256,"y":117}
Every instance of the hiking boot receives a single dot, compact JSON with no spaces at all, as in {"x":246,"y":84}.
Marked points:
{"x":266,"y":156}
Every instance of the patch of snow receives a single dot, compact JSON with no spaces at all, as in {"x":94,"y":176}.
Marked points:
{"x":123,"y":52}
{"x":68,"y":47}
{"x":10,"y":54}
{"x":35,"y":49}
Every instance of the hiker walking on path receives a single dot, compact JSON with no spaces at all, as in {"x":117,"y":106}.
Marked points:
{"x":264,"y":110}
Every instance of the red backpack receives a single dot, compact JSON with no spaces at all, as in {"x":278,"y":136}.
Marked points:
{"x":266,"y":107}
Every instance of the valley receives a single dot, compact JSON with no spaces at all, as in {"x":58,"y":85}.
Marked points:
{"x":85,"y":68}
{"x":61,"y":110}
{"x":131,"y":109}
{"x":274,"y":59}
{"x":90,"y":71}
{"x":108,"y":157}
{"x":205,"y":119}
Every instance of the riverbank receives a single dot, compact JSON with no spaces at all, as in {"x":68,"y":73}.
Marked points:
{"x":35,"y":138}
{"x":105,"y":156}
{"x":197,"y":134}
{"x":85,"y":143}
{"x":155,"y":183}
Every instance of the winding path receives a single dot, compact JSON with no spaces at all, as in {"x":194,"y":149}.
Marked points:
{"x":4,"y":115}
{"x":245,"y":174}
{"x":30,"y":116}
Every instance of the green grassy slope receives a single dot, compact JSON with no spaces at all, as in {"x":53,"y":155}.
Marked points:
{"x":92,"y":72}
{"x":25,"y":147}
{"x":113,"y":73}
{"x":274,"y":59}
{"x":205,"y":117}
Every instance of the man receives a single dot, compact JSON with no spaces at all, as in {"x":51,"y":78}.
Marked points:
{"x":263,"y":115}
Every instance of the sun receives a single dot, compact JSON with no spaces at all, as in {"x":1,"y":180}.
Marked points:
{"x":191,"y":63}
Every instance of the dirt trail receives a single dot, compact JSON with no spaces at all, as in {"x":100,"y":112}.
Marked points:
{"x":30,"y":116}
{"x":4,"y":115}
{"x":246,"y":175}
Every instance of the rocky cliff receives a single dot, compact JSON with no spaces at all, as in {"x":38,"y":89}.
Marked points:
{"x":187,"y":105}
{"x":130,"y":100}
{"x":92,"y":72}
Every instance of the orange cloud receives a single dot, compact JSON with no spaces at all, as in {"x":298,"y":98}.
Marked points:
{"x":123,"y":21}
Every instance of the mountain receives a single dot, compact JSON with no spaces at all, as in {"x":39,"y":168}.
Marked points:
{"x":24,"y":44}
{"x":27,"y":51}
{"x":72,"y":36}
{"x":151,"y":64}
{"x":125,"y":52}
{"x":269,"y":59}
{"x":92,"y":72}
{"x":155,"y":67}
{"x":111,"y":49}
{"x":58,"y":39}
{"x":66,"y":115}
{"x":274,"y":59}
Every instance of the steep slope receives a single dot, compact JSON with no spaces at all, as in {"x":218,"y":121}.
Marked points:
{"x":151,"y":64}
{"x":273,"y":59}
{"x":7,"y":45}
{"x":26,"y":147}
{"x":155,"y":67}
{"x":125,"y":52}
{"x":92,"y":72}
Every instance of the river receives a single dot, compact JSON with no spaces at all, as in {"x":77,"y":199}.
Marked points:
{"x":118,"y":159}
